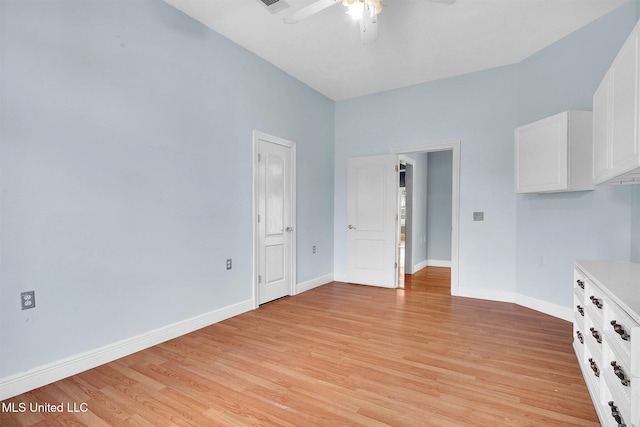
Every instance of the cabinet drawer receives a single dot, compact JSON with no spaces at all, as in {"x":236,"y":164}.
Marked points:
{"x":594,"y":301}
{"x":611,"y":413}
{"x":618,"y":326}
{"x":579,"y":280}
{"x":578,"y":302}
{"x":592,"y":370}
{"x":578,"y":331}
{"x":618,"y":379}
{"x":593,"y":338}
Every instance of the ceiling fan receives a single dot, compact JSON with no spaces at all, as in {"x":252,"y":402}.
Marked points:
{"x":365,"y":11}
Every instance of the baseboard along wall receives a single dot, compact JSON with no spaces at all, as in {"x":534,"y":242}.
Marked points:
{"x":42,"y":375}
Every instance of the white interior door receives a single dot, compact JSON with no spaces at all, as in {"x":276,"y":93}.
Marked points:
{"x":372,"y":185}
{"x":275,"y":219}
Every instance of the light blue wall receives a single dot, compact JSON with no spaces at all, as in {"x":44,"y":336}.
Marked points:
{"x":126,"y":172}
{"x":477,"y":109}
{"x":554,"y":230}
{"x":439,"y":205}
{"x":635,"y":224}
{"x":502,"y":254}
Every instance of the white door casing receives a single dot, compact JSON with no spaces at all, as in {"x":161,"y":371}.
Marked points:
{"x":372,"y":185}
{"x":274,"y":212}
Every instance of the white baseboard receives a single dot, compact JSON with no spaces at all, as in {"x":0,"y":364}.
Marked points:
{"x":438,"y":263}
{"x":313,"y":283}
{"x":340,"y":277}
{"x":545,"y":307}
{"x":499,"y":296}
{"x":419,"y":266}
{"x":555,"y":310}
{"x":37,"y":377}
{"x":430,"y":263}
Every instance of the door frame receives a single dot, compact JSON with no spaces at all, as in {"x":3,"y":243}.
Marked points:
{"x":454,"y":146}
{"x":408,"y":160}
{"x":257,"y":135}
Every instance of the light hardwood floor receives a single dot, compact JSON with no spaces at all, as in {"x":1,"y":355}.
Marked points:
{"x":342,"y":355}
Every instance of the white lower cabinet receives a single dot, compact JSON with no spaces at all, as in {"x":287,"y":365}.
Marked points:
{"x":607,"y":338}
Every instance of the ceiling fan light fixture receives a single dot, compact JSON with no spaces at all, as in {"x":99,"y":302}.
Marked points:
{"x":356,"y":8}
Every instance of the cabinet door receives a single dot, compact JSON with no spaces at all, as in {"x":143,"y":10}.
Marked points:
{"x":541,"y":151}
{"x":601,"y":136}
{"x":624,"y":94}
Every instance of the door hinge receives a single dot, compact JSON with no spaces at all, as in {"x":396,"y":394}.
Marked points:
{"x":259,"y":158}
{"x":395,"y":266}
{"x":397,"y":168}
{"x":258,"y":218}
{"x":259,"y":279}
{"x":396,"y":217}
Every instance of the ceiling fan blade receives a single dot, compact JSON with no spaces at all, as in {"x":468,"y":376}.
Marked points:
{"x":368,"y":28}
{"x":309,"y":10}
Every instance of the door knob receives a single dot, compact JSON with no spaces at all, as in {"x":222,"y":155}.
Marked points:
{"x":351,"y":227}
{"x":288,"y":229}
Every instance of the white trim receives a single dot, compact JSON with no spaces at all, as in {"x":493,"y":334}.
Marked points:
{"x":438,"y":263}
{"x":340,"y":277}
{"x":254,"y":209}
{"x":545,"y":307}
{"x":314,"y":283}
{"x":555,"y":310}
{"x":419,"y":266}
{"x":37,"y":377}
{"x":490,"y":295}
{"x":455,"y":201}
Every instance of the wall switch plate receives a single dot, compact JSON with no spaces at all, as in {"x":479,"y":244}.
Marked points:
{"x":478,"y":216}
{"x":229,"y":264}
{"x":28,"y":300}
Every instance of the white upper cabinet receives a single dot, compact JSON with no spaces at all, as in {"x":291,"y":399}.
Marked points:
{"x":616,"y":157}
{"x":601,"y":118}
{"x":555,"y":154}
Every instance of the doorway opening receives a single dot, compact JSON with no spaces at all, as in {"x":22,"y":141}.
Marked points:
{"x":417,"y":231}
{"x":405,"y":218}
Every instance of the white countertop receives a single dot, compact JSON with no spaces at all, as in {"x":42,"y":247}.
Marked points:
{"x":620,"y":280}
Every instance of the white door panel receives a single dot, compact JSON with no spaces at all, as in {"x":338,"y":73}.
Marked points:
{"x":371,"y":215}
{"x":275,"y":220}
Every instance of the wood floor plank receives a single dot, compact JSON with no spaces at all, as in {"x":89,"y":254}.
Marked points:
{"x":342,"y":354}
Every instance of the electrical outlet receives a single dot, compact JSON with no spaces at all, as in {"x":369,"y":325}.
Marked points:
{"x":314,"y":249}
{"x":229,"y":264}
{"x":478,"y":216}
{"x":28,"y":300}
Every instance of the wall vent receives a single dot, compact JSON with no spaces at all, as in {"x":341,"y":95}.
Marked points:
{"x":274,"y":6}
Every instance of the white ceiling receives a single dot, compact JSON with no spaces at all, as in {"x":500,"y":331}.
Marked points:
{"x":419,"y":40}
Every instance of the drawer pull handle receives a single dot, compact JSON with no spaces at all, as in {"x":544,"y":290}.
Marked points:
{"x":620,"y":330}
{"x":596,"y":335}
{"x":616,"y":414}
{"x":579,"y":335}
{"x":618,"y":371}
{"x":596,"y":301}
{"x":580,"y":310}
{"x":580,"y":283}
{"x":594,"y":367}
